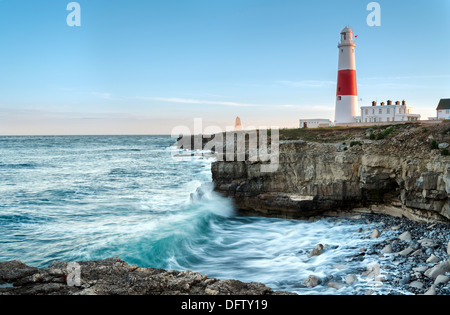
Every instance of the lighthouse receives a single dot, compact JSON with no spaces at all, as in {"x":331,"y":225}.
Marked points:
{"x":346,"y":94}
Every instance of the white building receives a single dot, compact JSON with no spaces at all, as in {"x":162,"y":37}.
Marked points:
{"x":387,"y":113}
{"x":443,"y":109}
{"x":315,"y":123}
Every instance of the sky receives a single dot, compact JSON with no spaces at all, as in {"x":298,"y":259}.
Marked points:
{"x":147,"y":67}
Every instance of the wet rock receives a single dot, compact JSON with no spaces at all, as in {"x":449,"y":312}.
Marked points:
{"x":208,"y":291}
{"x":380,"y":278}
{"x":406,"y":236}
{"x":375,"y":234}
{"x":437,"y":270}
{"x":336,"y":285}
{"x":432,"y":259}
{"x":441,"y":279}
{"x":317,"y":251}
{"x":115,"y":277}
{"x":350,"y":279}
{"x":430,"y":291}
{"x":426,"y":242}
{"x":13,"y":271}
{"x":312,"y":281}
{"x":416,"y":285}
{"x":373,"y":270}
{"x":420,"y":269}
{"x":406,"y":251}
{"x":387,"y":249}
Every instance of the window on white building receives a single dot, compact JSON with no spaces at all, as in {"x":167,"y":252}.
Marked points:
{"x":388,"y":119}
{"x":367,"y":112}
{"x":447,"y":112}
{"x":388,"y":111}
{"x":380,"y":111}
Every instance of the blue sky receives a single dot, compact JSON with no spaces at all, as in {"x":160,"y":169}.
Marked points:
{"x":144,"y":66}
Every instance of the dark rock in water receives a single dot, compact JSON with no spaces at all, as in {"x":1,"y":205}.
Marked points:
{"x":115,"y":277}
{"x":312,"y":281}
{"x":317,"y":251}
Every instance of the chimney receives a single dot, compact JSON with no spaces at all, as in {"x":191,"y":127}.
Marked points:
{"x":382,"y":104}
{"x":397,"y":103}
{"x":403,"y":102}
{"x":389,"y":102}
{"x":374,"y":103}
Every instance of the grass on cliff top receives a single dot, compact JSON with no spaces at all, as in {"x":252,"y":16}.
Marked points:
{"x":334,"y":134}
{"x":340,"y":134}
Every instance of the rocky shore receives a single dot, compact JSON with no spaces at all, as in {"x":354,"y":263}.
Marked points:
{"x":401,"y":256}
{"x":407,"y":257}
{"x":115,"y":277}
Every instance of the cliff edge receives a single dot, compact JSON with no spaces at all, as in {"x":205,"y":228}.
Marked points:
{"x":401,"y":170}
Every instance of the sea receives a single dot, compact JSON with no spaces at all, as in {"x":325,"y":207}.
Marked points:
{"x":78,"y":198}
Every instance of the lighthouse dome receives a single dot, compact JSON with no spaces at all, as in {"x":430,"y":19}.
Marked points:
{"x":347,"y":29}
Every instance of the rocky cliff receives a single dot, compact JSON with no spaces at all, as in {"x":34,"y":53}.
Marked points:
{"x":115,"y":277}
{"x":400,"y":170}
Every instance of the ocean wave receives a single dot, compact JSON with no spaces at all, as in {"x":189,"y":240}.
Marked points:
{"x":14,"y":219}
{"x":19,"y":166}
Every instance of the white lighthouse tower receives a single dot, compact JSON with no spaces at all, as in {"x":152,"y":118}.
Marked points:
{"x":346,"y":94}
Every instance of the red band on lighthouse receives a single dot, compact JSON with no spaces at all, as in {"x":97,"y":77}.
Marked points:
{"x":346,"y":83}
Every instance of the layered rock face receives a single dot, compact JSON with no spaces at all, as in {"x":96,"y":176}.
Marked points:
{"x":401,"y":175}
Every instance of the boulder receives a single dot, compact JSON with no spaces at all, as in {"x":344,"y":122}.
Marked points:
{"x":441,"y":279}
{"x":336,"y":285}
{"x":406,"y":251}
{"x":375,"y":234}
{"x":430,"y":291}
{"x":311,"y":282}
{"x":437,"y":270}
{"x":317,"y":251}
{"x":350,"y":279}
{"x":416,"y":284}
{"x":432,"y":259}
{"x":372,"y":270}
{"x":387,"y":249}
{"x":406,"y":236}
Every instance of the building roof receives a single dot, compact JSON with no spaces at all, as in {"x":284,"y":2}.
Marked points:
{"x":318,"y":119}
{"x":444,"y":104}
